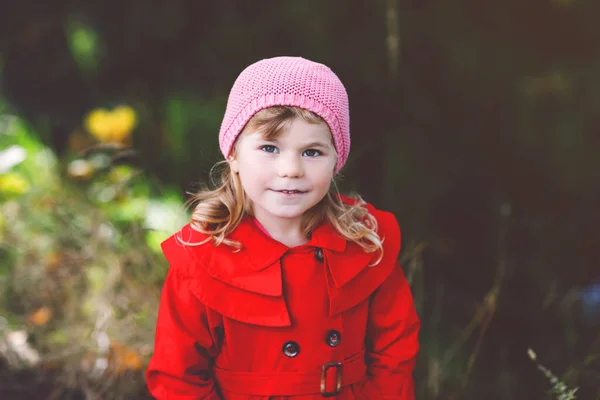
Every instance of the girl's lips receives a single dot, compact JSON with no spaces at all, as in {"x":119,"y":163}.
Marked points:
{"x":289,"y":193}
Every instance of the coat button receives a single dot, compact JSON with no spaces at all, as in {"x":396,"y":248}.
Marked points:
{"x":291,"y":349}
{"x":333,"y":338}
{"x":319,"y":254}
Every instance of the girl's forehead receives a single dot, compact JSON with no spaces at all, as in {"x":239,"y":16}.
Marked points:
{"x":296,"y":132}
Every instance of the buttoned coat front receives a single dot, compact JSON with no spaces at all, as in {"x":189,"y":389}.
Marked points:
{"x":272,"y":322}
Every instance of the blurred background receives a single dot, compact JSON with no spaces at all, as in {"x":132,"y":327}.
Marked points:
{"x":475,"y":122}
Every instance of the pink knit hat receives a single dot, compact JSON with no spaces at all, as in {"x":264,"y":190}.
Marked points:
{"x":288,"y":81}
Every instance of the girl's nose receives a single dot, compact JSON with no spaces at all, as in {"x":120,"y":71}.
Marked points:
{"x":290,"y":166}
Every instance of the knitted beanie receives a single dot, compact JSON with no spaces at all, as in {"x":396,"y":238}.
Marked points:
{"x":288,"y":81}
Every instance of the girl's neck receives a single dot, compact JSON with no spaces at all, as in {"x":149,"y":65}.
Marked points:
{"x":289,"y":234}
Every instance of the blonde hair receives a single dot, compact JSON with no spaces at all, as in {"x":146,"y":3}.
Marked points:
{"x":219,"y":211}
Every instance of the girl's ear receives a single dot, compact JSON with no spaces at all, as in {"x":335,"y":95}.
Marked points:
{"x":233,"y":164}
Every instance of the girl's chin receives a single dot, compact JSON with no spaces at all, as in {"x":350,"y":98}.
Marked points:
{"x":286,"y":211}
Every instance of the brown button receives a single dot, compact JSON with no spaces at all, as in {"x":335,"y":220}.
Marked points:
{"x":319,"y":254}
{"x":291,"y":349}
{"x":333,"y":338}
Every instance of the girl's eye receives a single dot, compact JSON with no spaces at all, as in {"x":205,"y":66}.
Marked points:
{"x":268,"y":148}
{"x":312,"y":153}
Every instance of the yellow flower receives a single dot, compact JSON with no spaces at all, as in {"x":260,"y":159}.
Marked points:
{"x":124,"y":121}
{"x":13,"y":184}
{"x":98,"y":124}
{"x":111,"y":126}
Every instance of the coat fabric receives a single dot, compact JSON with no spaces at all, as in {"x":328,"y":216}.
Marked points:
{"x":272,"y":322}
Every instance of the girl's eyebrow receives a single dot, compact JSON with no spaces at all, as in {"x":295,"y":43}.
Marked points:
{"x":308,"y":145}
{"x":317,"y":144}
{"x":264,"y":139}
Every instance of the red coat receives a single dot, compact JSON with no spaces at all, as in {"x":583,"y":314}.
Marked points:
{"x":272,"y":322}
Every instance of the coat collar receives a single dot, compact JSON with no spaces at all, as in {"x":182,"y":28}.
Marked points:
{"x":263,"y":251}
{"x":256,"y":267}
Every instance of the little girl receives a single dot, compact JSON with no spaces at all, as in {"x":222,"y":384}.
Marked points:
{"x":279,"y":288}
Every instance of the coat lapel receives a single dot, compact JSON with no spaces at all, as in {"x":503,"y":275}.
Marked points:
{"x":344,"y":260}
{"x":350,"y":276}
{"x":229,"y":281}
{"x":244,"y":269}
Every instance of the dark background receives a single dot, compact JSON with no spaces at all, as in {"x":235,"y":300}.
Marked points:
{"x":475,"y":122}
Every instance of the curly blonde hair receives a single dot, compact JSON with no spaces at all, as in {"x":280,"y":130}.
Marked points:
{"x":220,"y":209}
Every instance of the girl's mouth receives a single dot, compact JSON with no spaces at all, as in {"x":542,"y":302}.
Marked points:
{"x":290,"y":192}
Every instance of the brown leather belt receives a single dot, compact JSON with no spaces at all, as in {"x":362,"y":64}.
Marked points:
{"x":294,"y":383}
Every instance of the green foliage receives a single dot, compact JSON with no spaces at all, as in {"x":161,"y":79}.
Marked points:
{"x":83,"y":43}
{"x":82,"y":259}
{"x":190,"y":126}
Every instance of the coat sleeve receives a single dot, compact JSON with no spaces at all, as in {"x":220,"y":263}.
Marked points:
{"x":392,"y":338}
{"x":184,"y":345}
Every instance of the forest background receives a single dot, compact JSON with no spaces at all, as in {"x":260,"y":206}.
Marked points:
{"x":475,"y":122}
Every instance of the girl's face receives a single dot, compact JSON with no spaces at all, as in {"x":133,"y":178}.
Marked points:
{"x":285,"y":176}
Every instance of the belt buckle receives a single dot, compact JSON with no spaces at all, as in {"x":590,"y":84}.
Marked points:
{"x":338,"y":378}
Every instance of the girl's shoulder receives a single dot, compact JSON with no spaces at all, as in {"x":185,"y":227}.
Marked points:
{"x":193,"y":255}
{"x":242,"y":284}
{"x":183,"y":247}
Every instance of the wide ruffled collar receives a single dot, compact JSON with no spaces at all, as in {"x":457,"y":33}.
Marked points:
{"x":256,"y":266}
{"x":247,"y":284}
